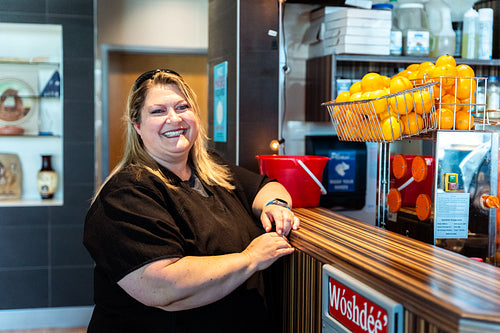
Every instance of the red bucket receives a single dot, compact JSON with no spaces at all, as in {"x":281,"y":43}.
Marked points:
{"x":287,"y":169}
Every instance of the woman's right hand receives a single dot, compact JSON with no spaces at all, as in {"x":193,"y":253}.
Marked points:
{"x":266,"y":249}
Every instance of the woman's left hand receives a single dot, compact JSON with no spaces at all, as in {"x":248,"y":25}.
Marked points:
{"x":282,"y":217}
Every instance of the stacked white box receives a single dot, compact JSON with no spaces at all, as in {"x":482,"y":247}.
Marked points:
{"x":356,"y":31}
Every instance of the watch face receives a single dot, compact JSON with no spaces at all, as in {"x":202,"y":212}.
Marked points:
{"x":281,"y":201}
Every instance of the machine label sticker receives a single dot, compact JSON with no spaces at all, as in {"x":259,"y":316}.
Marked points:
{"x":342,"y":171}
{"x":451,"y":215}
{"x":220,"y":102}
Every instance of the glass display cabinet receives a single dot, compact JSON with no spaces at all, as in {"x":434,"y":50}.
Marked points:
{"x":31,"y":112}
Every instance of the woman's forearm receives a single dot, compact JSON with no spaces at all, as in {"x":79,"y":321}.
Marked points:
{"x":196,"y":281}
{"x":190,"y":282}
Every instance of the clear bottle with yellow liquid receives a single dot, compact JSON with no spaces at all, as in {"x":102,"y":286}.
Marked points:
{"x":442,"y":36}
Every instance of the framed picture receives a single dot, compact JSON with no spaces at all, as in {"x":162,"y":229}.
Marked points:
{"x":10,"y":177}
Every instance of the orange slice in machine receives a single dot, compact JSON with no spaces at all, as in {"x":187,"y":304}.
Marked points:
{"x":490,"y":201}
{"x":399,"y":166}
{"x":394,"y":200}
{"x":423,"y":207}
{"x":419,"y":169}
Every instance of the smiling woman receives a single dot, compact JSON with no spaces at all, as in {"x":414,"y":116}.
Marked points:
{"x":176,"y":231}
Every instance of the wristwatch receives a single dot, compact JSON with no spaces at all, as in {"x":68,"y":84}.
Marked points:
{"x":279,"y":202}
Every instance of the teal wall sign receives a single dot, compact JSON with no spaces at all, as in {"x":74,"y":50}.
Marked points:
{"x":220,"y":102}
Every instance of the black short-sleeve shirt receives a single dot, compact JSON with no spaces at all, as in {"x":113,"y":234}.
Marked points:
{"x":137,"y":219}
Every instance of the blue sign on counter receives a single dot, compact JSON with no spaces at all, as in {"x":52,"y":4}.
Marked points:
{"x":342,"y":171}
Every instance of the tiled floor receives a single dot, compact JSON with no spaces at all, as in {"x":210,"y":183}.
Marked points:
{"x":51,"y":330}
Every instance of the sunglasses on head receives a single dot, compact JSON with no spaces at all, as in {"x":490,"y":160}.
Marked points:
{"x":149,"y":74}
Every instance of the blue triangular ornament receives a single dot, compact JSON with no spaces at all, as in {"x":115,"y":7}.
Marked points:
{"x":52,"y":88}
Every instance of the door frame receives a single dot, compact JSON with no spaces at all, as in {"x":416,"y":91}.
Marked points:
{"x":102,"y":112}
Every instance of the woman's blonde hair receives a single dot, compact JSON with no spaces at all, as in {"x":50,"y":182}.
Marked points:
{"x":135,"y":153}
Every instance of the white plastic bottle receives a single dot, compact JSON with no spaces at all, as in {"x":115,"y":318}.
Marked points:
{"x":485,"y":30}
{"x":396,"y":46}
{"x":470,"y":38}
{"x":442,"y":36}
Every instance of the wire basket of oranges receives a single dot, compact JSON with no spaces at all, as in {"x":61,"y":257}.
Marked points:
{"x":381,"y":116}
{"x":418,"y":99}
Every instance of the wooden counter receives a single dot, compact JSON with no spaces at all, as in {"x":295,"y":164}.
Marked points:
{"x":441,"y":291}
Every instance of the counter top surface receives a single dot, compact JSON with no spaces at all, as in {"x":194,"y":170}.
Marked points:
{"x":424,"y":278}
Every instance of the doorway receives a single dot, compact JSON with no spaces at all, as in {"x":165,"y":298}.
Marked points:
{"x":120,"y":69}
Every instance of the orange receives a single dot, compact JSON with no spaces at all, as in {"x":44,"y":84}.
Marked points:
{"x":445,"y":119}
{"x":423,"y":101}
{"x":444,"y":74}
{"x":413,"y":75}
{"x":357,"y":96}
{"x":366,"y":95}
{"x":464,"y":121}
{"x":367,"y":130}
{"x":412,"y":124}
{"x":371,"y":82}
{"x":449,"y":101}
{"x":379,"y":104}
{"x":424,"y":73}
{"x":446,"y":59}
{"x":438,"y":91}
{"x":377,"y":131}
{"x":465,"y":87}
{"x":399,"y":83}
{"x":343,"y":97}
{"x":425,"y":65}
{"x":386,"y":81}
{"x":391,"y":128}
{"x":404,"y":73}
{"x":341,"y":131}
{"x":342,"y":113}
{"x":361,"y":130}
{"x":365,"y":108}
{"x":401,"y":104}
{"x":464,"y":70}
{"x":469,"y":103}
{"x":385,"y":115}
{"x":355,"y":87}
{"x":413,"y":67}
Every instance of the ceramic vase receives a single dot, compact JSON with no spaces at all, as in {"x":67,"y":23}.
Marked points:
{"x":47,"y":178}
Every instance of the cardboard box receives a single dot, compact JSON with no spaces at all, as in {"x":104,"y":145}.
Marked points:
{"x":358,"y":49}
{"x":344,"y":12}
{"x":358,"y":39}
{"x":359,"y":22}
{"x":357,"y":31}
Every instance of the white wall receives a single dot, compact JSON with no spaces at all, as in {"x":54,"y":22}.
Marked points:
{"x":153,"y":23}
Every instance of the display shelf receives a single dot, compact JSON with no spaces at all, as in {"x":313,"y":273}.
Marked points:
{"x":30,"y":203}
{"x":27,"y":62}
{"x":31,"y":65}
{"x":38,"y":137}
{"x":410,"y":59}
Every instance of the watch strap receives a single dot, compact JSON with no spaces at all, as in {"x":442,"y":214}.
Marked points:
{"x":279,"y":202}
